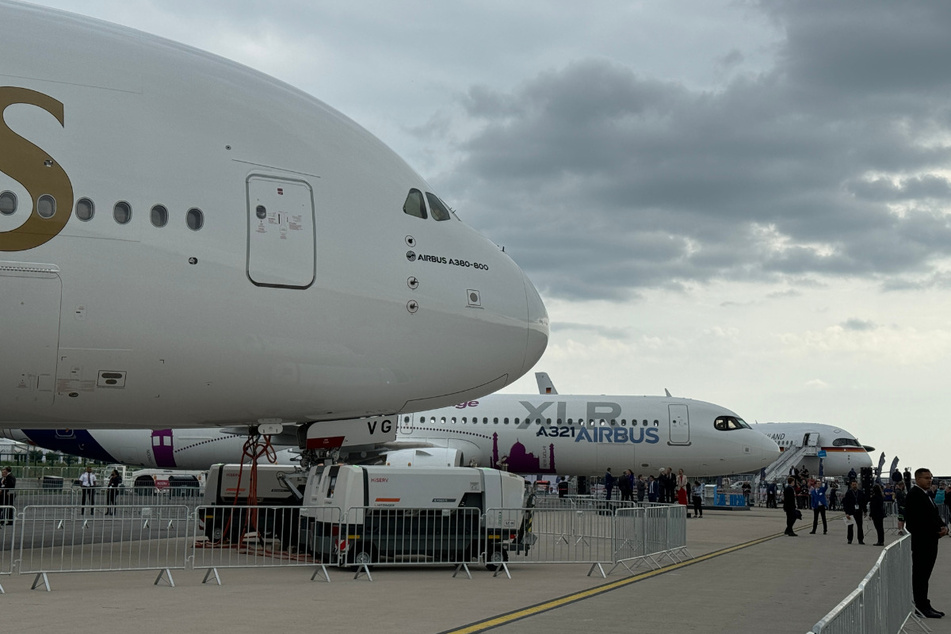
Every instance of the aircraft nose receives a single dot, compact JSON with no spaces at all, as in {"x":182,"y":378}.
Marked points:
{"x":537,"y":326}
{"x":766,"y":448}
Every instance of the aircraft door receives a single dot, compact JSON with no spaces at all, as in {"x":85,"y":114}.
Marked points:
{"x":405,"y":425}
{"x":30,"y":297}
{"x":679,"y":425}
{"x":163,"y":451}
{"x":282,"y":239}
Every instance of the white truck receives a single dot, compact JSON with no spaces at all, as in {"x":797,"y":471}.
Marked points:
{"x":374,"y":514}
{"x":278,"y":495}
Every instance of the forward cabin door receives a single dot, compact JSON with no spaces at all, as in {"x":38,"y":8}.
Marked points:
{"x":282,"y":236}
{"x":29,"y":315}
{"x":679,"y":425}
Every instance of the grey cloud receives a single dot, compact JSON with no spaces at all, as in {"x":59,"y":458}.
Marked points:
{"x":603,"y":181}
{"x":859,"y":325}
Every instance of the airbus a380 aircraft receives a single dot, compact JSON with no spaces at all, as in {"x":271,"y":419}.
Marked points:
{"x":187,"y":242}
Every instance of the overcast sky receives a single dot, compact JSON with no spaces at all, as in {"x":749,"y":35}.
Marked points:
{"x":743,"y":202}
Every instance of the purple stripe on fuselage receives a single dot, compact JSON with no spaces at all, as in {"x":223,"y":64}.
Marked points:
{"x":77,"y":442}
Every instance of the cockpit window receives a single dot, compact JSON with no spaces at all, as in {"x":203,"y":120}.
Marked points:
{"x":414,"y":205}
{"x":440,"y":212}
{"x":727,"y":423}
{"x":845,"y":442}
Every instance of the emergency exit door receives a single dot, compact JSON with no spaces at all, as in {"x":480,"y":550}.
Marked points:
{"x":679,"y":425}
{"x":282,"y":240}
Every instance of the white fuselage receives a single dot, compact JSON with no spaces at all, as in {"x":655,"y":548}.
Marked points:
{"x":585,"y":435}
{"x":184,"y":239}
{"x":843,"y":451}
{"x":529,"y":434}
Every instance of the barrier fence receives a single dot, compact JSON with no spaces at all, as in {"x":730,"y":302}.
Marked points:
{"x":59,"y":538}
{"x":64,"y":539}
{"x":882,"y":603}
{"x":104,"y":497}
{"x":7,"y":541}
{"x":257,"y":537}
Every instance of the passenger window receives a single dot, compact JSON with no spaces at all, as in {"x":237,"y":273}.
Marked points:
{"x":122,"y":212}
{"x":8,"y":203}
{"x":414,"y":205}
{"x":46,"y":206}
{"x":440,"y":212}
{"x":159,"y":216}
{"x":85,"y":209}
{"x":195,"y":219}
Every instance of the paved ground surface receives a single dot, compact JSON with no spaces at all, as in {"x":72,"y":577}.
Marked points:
{"x":779,"y":585}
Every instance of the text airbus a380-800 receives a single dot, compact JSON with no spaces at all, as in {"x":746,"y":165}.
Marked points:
{"x":185,"y":239}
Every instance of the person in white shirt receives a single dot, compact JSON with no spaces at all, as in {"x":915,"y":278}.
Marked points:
{"x":88,"y":483}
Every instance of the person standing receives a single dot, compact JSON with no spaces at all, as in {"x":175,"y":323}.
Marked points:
{"x":789,"y":505}
{"x":671,"y":484}
{"x":641,"y":488}
{"x":653,"y":489}
{"x":8,"y":483}
{"x":681,"y":484}
{"x":817,"y":497}
{"x":624,"y":485}
{"x":900,"y":497}
{"x":608,"y":484}
{"x":87,"y":481}
{"x":876,"y":510}
{"x":115,"y":481}
{"x":697,"y":500}
{"x":926,"y":528}
{"x":853,"y":503}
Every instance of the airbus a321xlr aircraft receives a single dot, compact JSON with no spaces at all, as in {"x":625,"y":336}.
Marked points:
{"x":531,"y":434}
{"x":187,"y":242}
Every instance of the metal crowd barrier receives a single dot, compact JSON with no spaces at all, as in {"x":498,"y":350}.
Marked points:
{"x":882,"y":603}
{"x":650,"y":535}
{"x":76,"y":538}
{"x":257,"y":537}
{"x":373,"y":536}
{"x":64,"y":539}
{"x":7,"y":541}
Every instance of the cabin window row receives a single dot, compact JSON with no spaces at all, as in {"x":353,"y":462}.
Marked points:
{"x":86,"y":210}
{"x":475,"y":420}
{"x":416,"y":205}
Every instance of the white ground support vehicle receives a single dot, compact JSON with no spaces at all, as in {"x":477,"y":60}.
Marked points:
{"x":228,"y":486}
{"x":381,"y":514}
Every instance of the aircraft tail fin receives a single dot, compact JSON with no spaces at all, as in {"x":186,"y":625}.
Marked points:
{"x":545,"y":386}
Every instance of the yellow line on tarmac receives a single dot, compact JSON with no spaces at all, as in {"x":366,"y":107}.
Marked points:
{"x":488,"y":624}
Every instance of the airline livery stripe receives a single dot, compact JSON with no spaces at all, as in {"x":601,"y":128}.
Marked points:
{"x":488,"y":624}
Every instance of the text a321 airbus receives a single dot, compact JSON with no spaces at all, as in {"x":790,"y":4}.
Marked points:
{"x":187,"y":242}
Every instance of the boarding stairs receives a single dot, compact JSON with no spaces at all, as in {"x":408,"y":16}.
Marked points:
{"x":792,"y":456}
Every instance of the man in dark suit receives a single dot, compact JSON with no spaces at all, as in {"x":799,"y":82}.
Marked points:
{"x":789,"y":505}
{"x":926,"y":528}
{"x":854,"y":505}
{"x":8,"y":483}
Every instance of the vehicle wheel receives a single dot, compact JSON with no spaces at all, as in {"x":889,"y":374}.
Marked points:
{"x":364,"y":555}
{"x":495,"y":558}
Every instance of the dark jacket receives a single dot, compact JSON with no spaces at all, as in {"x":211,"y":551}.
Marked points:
{"x":789,"y":498}
{"x":921,"y":517}
{"x":854,"y":503}
{"x":876,"y":506}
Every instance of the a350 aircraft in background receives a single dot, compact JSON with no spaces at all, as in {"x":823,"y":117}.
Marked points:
{"x":186,"y":242}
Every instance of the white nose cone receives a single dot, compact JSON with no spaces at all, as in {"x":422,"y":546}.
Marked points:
{"x":537,"y":326}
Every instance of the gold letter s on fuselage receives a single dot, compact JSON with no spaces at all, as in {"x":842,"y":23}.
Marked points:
{"x":36,"y":171}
